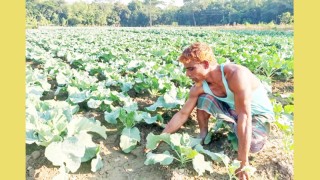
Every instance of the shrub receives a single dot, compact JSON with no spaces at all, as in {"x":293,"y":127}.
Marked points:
{"x":286,"y":18}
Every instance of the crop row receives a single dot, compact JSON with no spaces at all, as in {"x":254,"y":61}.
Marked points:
{"x":104,"y":69}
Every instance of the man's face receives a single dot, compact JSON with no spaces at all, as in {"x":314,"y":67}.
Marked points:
{"x":195,"y":71}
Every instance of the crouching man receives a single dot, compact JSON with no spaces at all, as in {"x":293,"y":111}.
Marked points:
{"x":229,"y":92}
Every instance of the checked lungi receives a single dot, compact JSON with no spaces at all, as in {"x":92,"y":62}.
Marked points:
{"x":221,"y":111}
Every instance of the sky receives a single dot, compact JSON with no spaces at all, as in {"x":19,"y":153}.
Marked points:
{"x":176,"y":2}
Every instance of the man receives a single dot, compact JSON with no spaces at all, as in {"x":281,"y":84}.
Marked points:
{"x":229,"y":92}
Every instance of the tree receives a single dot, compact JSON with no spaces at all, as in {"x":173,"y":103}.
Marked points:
{"x":273,"y":8}
{"x":193,"y":6}
{"x":286,"y":18}
{"x":102,"y":12}
{"x":152,"y":9}
{"x":168,"y":16}
{"x":150,"y":12}
{"x":123,"y":13}
{"x":138,"y":16}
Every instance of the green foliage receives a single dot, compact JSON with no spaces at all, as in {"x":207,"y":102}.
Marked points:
{"x":189,"y":149}
{"x":149,"y":13}
{"x":164,"y":159}
{"x":31,"y":23}
{"x":200,"y":165}
{"x":230,"y":167}
{"x":284,"y":121}
{"x":103,"y":69}
{"x":65,"y":136}
{"x":183,"y":146}
{"x":129,"y":139}
{"x":286,"y":18}
{"x":170,"y":99}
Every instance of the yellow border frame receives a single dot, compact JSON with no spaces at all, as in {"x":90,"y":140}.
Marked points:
{"x":12,"y":76}
{"x":12,"y":133}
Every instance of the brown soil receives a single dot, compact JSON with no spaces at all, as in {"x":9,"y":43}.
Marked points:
{"x":283,"y":87}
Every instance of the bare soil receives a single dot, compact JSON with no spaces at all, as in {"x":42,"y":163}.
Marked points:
{"x":273,"y":162}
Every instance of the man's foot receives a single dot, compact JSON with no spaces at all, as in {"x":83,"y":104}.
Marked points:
{"x":202,"y":136}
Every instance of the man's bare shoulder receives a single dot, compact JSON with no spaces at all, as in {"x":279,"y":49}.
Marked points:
{"x":231,"y":68}
{"x":238,"y":74}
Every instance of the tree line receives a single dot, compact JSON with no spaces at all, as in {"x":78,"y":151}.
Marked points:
{"x":156,"y":12}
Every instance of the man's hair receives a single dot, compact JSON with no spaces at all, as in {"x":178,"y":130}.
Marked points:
{"x":197,"y":52}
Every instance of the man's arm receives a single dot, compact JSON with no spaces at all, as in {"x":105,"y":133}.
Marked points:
{"x":241,"y":86}
{"x":181,"y":117}
{"x":244,"y":125}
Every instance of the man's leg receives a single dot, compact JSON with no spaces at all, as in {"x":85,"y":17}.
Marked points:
{"x":208,"y":105}
{"x":260,"y":132}
{"x":203,"y":118}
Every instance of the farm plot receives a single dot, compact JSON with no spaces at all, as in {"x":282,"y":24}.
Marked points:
{"x":97,"y":97}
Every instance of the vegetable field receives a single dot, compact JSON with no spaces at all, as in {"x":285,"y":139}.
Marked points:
{"x":97,"y":97}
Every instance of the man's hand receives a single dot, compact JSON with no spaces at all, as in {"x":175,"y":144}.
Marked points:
{"x":242,"y":175}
